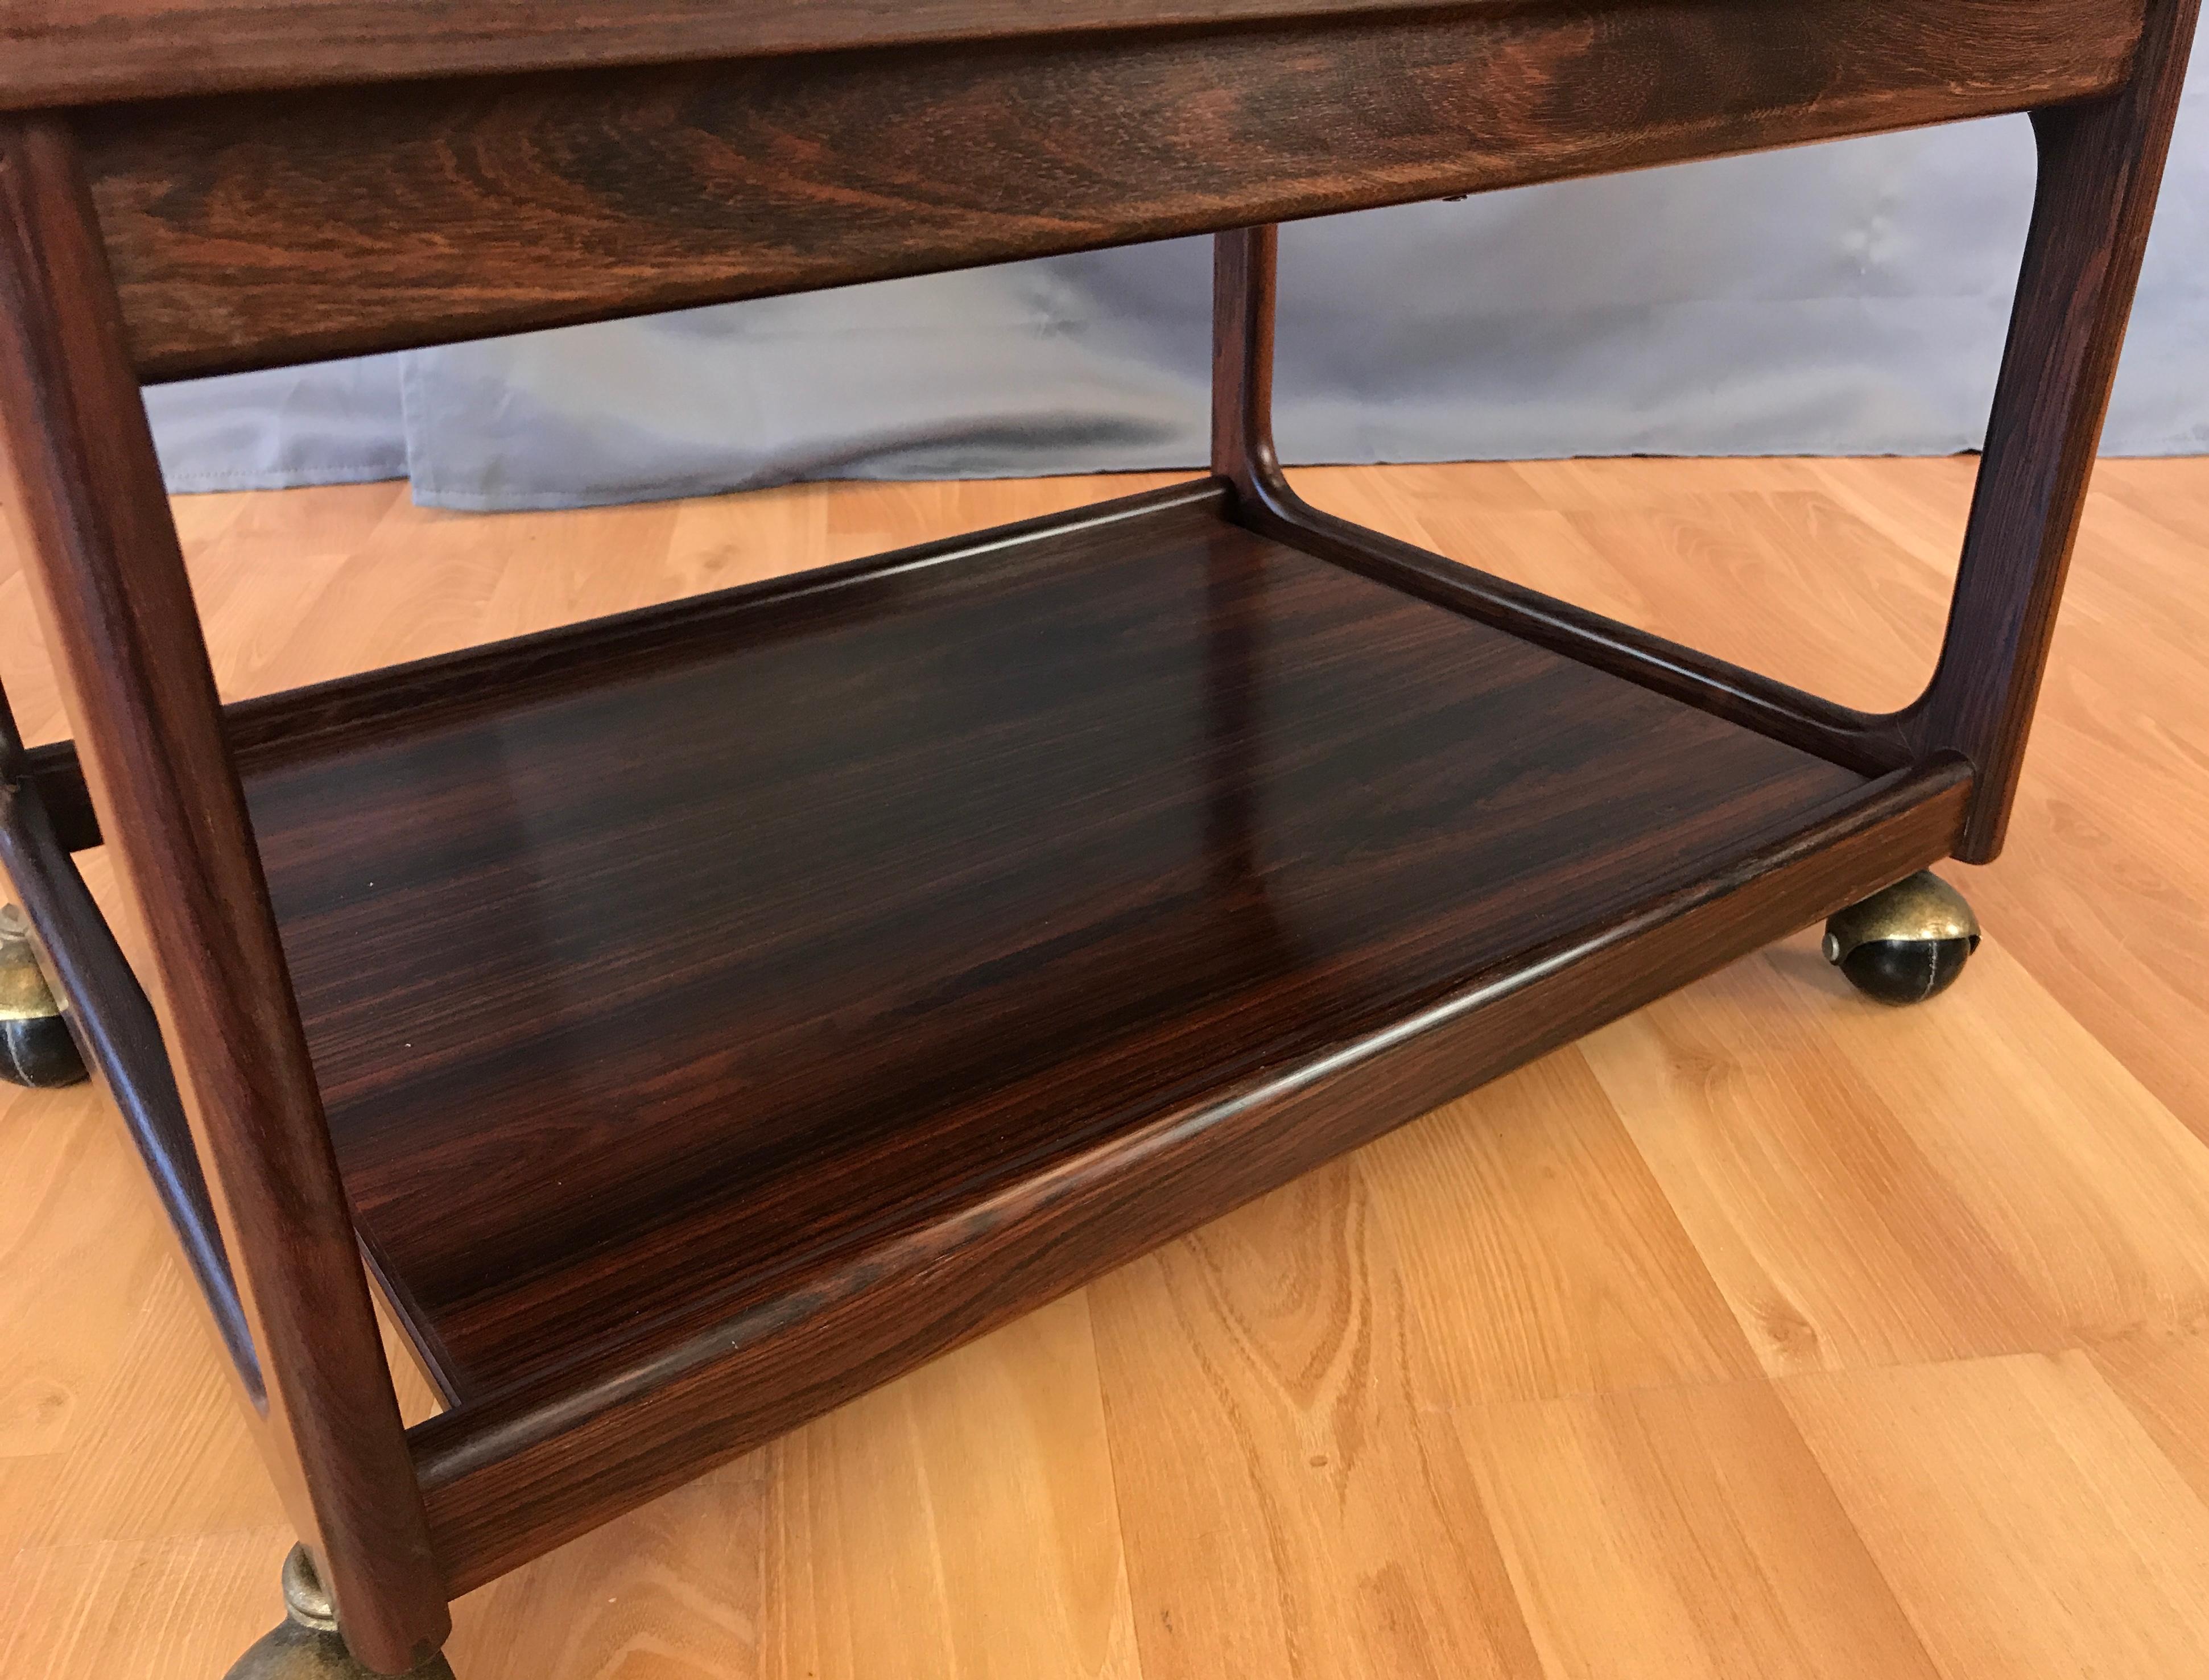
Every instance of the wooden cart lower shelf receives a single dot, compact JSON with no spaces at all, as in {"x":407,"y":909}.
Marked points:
{"x":720,"y":1010}
{"x":703,"y":1015}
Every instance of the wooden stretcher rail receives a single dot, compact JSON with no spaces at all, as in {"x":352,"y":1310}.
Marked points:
{"x":283,"y":227}
{"x":115,"y":1030}
{"x":1868,"y":741}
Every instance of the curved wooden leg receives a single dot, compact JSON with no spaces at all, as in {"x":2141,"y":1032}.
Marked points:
{"x":306,"y":1645}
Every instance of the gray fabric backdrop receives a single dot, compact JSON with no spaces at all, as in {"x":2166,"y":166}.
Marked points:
{"x":1847,"y":298}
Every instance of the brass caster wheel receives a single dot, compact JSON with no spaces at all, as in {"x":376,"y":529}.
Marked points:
{"x":307,"y":1644}
{"x":36,"y":1046}
{"x":1906,"y":944}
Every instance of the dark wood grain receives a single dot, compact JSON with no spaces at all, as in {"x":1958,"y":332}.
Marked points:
{"x":937,"y":881}
{"x":1245,"y":303}
{"x":102,"y":558}
{"x":93,"y":52}
{"x":909,"y":892}
{"x":2100,"y":167}
{"x":504,"y":1482}
{"x":725,"y":1008}
{"x":494,"y":677}
{"x":283,"y":227}
{"x":274,"y":729}
{"x":1244,"y":283}
{"x":54,"y":772}
{"x":121,"y":1041}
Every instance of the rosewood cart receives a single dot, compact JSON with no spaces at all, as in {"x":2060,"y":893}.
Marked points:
{"x":699,"y":1016}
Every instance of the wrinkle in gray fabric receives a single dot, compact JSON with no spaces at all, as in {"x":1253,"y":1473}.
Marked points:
{"x":1842,"y":299}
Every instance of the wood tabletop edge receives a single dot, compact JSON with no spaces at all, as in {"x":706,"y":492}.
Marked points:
{"x":108,"y":52}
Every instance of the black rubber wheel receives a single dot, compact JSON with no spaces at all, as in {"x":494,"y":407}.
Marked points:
{"x":1905,"y":944}
{"x":1906,"y":971}
{"x":39,"y":1052}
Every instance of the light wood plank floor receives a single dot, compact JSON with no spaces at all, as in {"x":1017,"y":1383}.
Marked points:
{"x":1766,"y":1332}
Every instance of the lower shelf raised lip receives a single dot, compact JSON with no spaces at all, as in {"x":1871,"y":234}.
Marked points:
{"x":725,"y":1008}
{"x":500,"y":1475}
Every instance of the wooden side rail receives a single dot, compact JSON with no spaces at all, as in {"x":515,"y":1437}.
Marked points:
{"x":1244,"y":293}
{"x":282,"y":227}
{"x":2101,"y":163}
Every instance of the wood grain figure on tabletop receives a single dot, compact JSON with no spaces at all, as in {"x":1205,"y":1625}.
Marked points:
{"x":162,"y":48}
{"x":292,"y":224}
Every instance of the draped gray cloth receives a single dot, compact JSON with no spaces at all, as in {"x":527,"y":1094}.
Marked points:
{"x":1841,"y":299}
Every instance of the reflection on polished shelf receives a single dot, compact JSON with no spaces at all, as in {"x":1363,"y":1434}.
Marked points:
{"x":701,"y":1015}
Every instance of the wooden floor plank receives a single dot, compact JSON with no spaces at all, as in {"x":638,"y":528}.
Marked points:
{"x":1538,"y":1254}
{"x":179,"y":1609}
{"x":673,"y":1589}
{"x":2071,"y":1169}
{"x":1794,"y":553}
{"x":162,"y":1454}
{"x":1920,"y":506}
{"x":1282,"y":1511}
{"x":1681,"y":1531}
{"x":2173,"y":492}
{"x":2023,"y":1516}
{"x":1711,"y":553}
{"x":78,"y":1255}
{"x":1830,"y":1224}
{"x":2164,"y":1381}
{"x":2103,"y":891}
{"x":961,"y":1521}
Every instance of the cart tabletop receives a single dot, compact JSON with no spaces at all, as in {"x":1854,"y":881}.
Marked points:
{"x":385,"y":174}
{"x":65,"y":52}
{"x":90,"y":51}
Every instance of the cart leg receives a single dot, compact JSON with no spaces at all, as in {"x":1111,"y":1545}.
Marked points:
{"x":306,"y":1645}
{"x":36,"y":1046}
{"x":1907,"y":944}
